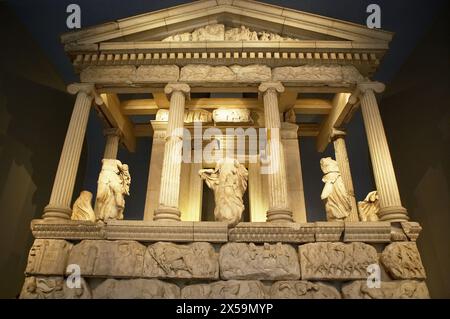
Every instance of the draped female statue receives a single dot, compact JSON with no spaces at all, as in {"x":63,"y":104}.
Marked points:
{"x":229,"y":182}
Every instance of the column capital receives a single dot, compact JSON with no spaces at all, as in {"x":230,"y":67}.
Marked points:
{"x":336,"y":133}
{"x":376,"y":87}
{"x":269,"y":86}
{"x":177,"y":87}
{"x":87,"y":88}
{"x":112,"y":131}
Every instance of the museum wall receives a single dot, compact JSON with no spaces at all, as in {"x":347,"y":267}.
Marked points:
{"x":34,"y":114}
{"x":416,"y":114}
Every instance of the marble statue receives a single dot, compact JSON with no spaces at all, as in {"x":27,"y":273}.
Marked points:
{"x":337,"y":201}
{"x":369,"y":208}
{"x":113,"y":183}
{"x":82,"y":208}
{"x":229,"y":182}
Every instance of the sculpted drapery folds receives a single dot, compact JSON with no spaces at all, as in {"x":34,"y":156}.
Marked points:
{"x":229,"y":182}
{"x":82,"y":208}
{"x":369,"y":208}
{"x":334,"y":194}
{"x":113,"y":183}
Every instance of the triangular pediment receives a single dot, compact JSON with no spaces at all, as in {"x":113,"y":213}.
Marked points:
{"x":256,"y":16}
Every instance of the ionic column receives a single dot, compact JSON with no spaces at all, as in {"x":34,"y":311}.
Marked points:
{"x":61,"y":197}
{"x":391,"y":208}
{"x":170,"y":176}
{"x":340,"y":150}
{"x":112,"y":143}
{"x":279,"y":209}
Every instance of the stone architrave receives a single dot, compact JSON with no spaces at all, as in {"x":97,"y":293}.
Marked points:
{"x":231,"y":115}
{"x":336,"y":261}
{"x":48,"y":257}
{"x":135,"y":289}
{"x":53,"y":288}
{"x":157,"y":73}
{"x":303,"y":290}
{"x":259,"y":262}
{"x":208,"y":73}
{"x":168,"y":260}
{"x":103,"y":258}
{"x":332,"y":74}
{"x":402,"y":261}
{"x":401,"y":289}
{"x":231,"y":289}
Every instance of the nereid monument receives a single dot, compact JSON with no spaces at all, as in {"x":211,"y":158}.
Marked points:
{"x":228,"y":80}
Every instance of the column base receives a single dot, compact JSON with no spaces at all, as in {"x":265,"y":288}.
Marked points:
{"x":57,"y":213}
{"x":279,"y":215}
{"x":167,"y":214}
{"x":393,"y":214}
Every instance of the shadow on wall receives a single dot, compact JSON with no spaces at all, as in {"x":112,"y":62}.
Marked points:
{"x":416,"y":114}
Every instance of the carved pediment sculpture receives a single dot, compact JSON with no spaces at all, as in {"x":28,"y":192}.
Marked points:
{"x":219,"y":32}
{"x":369,"y":208}
{"x":113,"y":184}
{"x":229,"y":183}
{"x":82,"y":208}
{"x":337,"y":201}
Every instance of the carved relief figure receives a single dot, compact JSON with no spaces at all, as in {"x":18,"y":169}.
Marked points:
{"x":113,"y":183}
{"x":231,"y":115}
{"x":82,"y":208}
{"x":334,"y":194}
{"x":229,"y":182}
{"x":369,"y":208}
{"x":53,"y":288}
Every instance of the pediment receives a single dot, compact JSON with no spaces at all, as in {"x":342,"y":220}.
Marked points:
{"x":256,"y":16}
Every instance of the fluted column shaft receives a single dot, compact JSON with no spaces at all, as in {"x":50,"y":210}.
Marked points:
{"x":279,"y":209}
{"x":170,"y":175}
{"x":62,"y":191}
{"x":391,"y":208}
{"x":340,"y":150}
{"x":112,"y":143}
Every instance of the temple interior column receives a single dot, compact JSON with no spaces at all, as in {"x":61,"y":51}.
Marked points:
{"x":391,"y":208}
{"x":279,"y":209}
{"x":340,"y":150}
{"x":62,"y":191}
{"x":191,"y":192}
{"x":112,"y":143}
{"x":289,"y":139}
{"x":154,"y":176}
{"x":168,"y":209}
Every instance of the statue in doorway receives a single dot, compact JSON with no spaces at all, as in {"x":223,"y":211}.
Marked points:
{"x":337,"y":201}
{"x":113,"y":183}
{"x":369,"y":208}
{"x":229,"y":182}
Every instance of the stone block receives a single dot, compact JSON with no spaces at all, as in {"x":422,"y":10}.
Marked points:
{"x":328,"y":231}
{"x":401,"y":260}
{"x":411,"y":229}
{"x":303,"y":290}
{"x":232,"y":289}
{"x":367,"y":232}
{"x":401,"y":289}
{"x":213,"y":232}
{"x":260,"y":262}
{"x":135,"y":289}
{"x":157,"y":73}
{"x":53,"y":288}
{"x":48,"y":257}
{"x":69,"y":229}
{"x":336,"y":261}
{"x":103,"y":258}
{"x":272,"y":232}
{"x":168,"y":260}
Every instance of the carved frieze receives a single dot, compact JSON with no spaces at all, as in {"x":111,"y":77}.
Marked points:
{"x":272,"y":232}
{"x":317,"y":73}
{"x":231,"y":289}
{"x":261,"y":262}
{"x":168,"y":260}
{"x":402,"y":261}
{"x":303,"y":290}
{"x":400,"y":289}
{"x":103,"y":258}
{"x":53,"y":288}
{"x":208,"y":73}
{"x":135,"y":289}
{"x":190,"y":116}
{"x":336,"y":261}
{"x":48,"y":257}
